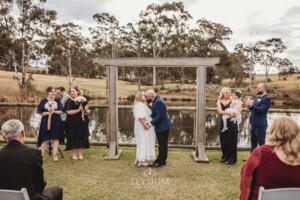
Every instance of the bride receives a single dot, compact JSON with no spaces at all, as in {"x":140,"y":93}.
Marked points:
{"x":144,"y":134}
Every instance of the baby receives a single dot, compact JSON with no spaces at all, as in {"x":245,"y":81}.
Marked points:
{"x":235,"y":106}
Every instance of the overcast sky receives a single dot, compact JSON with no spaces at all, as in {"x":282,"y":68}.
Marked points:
{"x":265,"y":19}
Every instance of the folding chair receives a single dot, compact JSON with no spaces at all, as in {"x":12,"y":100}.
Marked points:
{"x":279,"y":194}
{"x":14,"y":194}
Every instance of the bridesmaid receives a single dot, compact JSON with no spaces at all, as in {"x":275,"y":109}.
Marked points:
{"x":51,"y":124}
{"x":229,"y":137}
{"x":77,"y":130}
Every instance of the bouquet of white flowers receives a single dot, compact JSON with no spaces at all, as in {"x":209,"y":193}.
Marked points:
{"x":79,"y":100}
{"x":50,"y":106}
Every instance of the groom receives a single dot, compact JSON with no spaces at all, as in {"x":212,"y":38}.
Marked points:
{"x":258,"y":118}
{"x":162,"y":123}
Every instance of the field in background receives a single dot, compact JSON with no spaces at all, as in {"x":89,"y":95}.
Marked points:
{"x":280,"y":89}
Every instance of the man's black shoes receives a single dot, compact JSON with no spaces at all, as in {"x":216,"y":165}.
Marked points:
{"x":156,"y":165}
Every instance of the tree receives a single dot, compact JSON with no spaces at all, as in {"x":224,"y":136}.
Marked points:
{"x":207,"y":38}
{"x":159,"y":24}
{"x":23,"y":32}
{"x":267,"y":54}
{"x":250,"y":52}
{"x":67,"y":52}
{"x":238,"y":68}
{"x":106,"y":36}
{"x":286,"y":68}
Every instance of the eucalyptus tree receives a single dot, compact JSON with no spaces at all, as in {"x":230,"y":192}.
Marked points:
{"x":107,"y":37}
{"x":24,"y":27}
{"x":135,"y":46}
{"x":206,"y":40}
{"x":250,"y":52}
{"x":268,"y":54}
{"x":159,"y":24}
{"x":66,"y":49}
{"x":238,"y":67}
{"x":6,"y":42}
{"x":286,"y":68}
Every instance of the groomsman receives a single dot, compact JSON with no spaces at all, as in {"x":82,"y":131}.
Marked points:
{"x":63,"y":96}
{"x":162,"y":123}
{"x":258,"y":118}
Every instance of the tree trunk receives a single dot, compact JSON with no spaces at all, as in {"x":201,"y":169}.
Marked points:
{"x":139,"y":82}
{"x":22,"y":86}
{"x":70,"y":70}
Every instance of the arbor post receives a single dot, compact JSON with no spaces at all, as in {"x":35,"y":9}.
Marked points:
{"x":114,"y":152}
{"x":199,"y":153}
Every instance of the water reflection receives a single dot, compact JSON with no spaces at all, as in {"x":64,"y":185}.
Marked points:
{"x":181,"y":132}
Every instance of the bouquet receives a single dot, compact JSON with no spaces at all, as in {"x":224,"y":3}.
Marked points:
{"x":50,"y":106}
{"x":79,"y":100}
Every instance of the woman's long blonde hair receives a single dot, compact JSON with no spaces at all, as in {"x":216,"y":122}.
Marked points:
{"x":224,"y":89}
{"x":285,"y":133}
{"x":138,"y":98}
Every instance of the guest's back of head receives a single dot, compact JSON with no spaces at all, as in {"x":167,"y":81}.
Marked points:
{"x":12,"y":128}
{"x":285,"y":133}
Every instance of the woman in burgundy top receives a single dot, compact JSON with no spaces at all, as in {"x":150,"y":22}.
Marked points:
{"x":275,"y":164}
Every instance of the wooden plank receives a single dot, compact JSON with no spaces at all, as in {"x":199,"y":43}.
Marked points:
{"x":200,"y":116}
{"x":113,"y":152}
{"x":199,"y":155}
{"x":158,"y":62}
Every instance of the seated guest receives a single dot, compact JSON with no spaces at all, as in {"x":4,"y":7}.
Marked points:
{"x":275,"y":164}
{"x":21,"y":165}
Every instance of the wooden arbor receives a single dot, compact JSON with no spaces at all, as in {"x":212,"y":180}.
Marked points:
{"x":200,"y":63}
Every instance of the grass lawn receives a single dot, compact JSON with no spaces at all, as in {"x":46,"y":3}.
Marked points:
{"x":182,"y":178}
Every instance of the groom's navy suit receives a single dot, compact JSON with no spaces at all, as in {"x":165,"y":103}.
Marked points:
{"x":258,"y":120}
{"x":162,"y":123}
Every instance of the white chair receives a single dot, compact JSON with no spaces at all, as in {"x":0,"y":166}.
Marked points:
{"x":14,"y":194}
{"x":279,"y":194}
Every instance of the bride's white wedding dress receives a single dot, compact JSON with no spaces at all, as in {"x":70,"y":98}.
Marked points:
{"x":145,"y":139}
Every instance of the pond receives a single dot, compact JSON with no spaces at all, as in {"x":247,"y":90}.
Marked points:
{"x":180,"y":134}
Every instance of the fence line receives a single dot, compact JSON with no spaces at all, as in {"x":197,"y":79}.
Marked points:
{"x":4,"y":104}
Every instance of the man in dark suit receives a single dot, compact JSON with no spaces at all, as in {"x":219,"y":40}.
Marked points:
{"x":258,"y":118}
{"x":21,"y":165}
{"x":162,"y":123}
